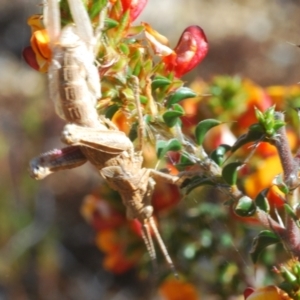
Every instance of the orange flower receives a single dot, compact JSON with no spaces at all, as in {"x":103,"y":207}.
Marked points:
{"x":280,"y":95}
{"x":113,"y":247}
{"x":38,"y":55}
{"x":120,"y":119}
{"x":174,"y":289}
{"x":269,"y":292}
{"x":263,"y":177}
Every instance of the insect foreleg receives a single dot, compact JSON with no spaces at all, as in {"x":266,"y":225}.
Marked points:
{"x":82,"y":22}
{"x":52,"y":21}
{"x":108,"y":141}
{"x":164,"y":177}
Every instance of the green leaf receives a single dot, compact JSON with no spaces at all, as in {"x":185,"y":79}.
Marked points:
{"x":160,"y":81}
{"x":250,"y":136}
{"x":196,"y":182}
{"x":143,"y":99}
{"x":264,"y":239}
{"x":124,"y":49}
{"x":269,"y":113}
{"x":111,"y":110}
{"x":96,"y":8}
{"x":203,"y":127}
{"x":229,"y":172}
{"x":259,"y":115}
{"x":256,"y":127}
{"x":289,"y":210}
{"x":279,"y":182}
{"x":278,"y":125}
{"x":171,"y":117}
{"x":262,"y":201}
{"x":180,"y":94}
{"x":245,"y":207}
{"x":123,"y":24}
{"x":135,"y":30}
{"x":184,"y":162}
{"x":162,"y":147}
{"x":218,"y":154}
{"x":110,"y":23}
{"x":288,"y":276}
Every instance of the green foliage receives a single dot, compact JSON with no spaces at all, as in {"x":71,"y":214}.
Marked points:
{"x":203,"y":127}
{"x":264,"y":239}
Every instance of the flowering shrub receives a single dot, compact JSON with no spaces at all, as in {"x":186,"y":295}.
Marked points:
{"x":227,"y":134}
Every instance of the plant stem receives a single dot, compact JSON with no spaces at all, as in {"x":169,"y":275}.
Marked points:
{"x":285,"y":155}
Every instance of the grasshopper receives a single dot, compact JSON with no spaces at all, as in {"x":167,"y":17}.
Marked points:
{"x":74,"y":86}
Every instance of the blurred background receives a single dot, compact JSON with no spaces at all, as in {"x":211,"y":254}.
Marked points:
{"x":46,"y":248}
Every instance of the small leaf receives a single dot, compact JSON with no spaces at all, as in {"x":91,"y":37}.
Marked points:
{"x":279,"y":182}
{"x":184,"y":162}
{"x":259,"y":115}
{"x":135,"y":30}
{"x":264,"y":239}
{"x":203,"y":127}
{"x":218,"y":154}
{"x":96,"y":8}
{"x":197,"y":182}
{"x":160,"y":81}
{"x":289,"y":277}
{"x":256,"y":127}
{"x":180,"y":94}
{"x":229,"y":172}
{"x":110,"y":23}
{"x":278,"y":125}
{"x":162,"y":147}
{"x":111,"y":110}
{"x":269,"y":113}
{"x":171,"y":117}
{"x":124,"y":49}
{"x":262,"y":201}
{"x":292,"y":214}
{"x":245,"y":207}
{"x":143,"y":99}
{"x":250,"y":136}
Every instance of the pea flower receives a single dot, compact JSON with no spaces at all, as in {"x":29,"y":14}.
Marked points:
{"x":38,"y":55}
{"x":191,"y":49}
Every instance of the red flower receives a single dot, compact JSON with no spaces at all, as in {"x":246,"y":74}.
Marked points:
{"x":116,"y":259}
{"x":165,"y":196}
{"x":100,"y":214}
{"x":135,"y":7}
{"x":189,"y":52}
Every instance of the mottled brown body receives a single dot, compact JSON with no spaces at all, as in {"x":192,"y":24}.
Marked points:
{"x":74,"y":86}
